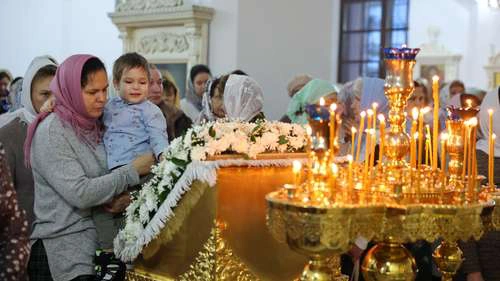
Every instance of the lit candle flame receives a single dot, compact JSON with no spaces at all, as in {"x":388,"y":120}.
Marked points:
{"x":349,"y":158}
{"x":493,"y":136}
{"x":333,"y":107}
{"x":403,"y":46}
{"x":425,"y":110}
{"x":297,"y":166}
{"x":353,"y":130}
{"x":415,"y":136}
{"x":374,"y":106}
{"x":490,"y":111}
{"x":435,"y":78}
{"x":381,"y":118}
{"x":414,"y":113}
{"x":322,"y":102}
{"x":444,"y":137}
{"x":370,"y":112}
{"x":308,"y":130}
{"x":473,"y":122}
{"x":335,"y":168}
{"x":468,"y":102}
{"x":363,"y":114}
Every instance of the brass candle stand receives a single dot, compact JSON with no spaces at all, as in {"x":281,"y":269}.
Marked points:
{"x":338,"y":200}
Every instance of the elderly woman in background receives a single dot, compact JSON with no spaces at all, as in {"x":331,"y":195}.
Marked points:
{"x":165,"y":98}
{"x":14,"y":126}
{"x":192,"y":103}
{"x":5,"y":79}
{"x":15,"y":93}
{"x":481,"y":257}
{"x":237,"y":97}
{"x":295,"y":85}
{"x":66,"y":152}
{"x":14,"y":247}
{"x":309,"y":94}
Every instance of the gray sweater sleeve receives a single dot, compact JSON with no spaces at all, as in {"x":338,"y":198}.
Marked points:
{"x":58,"y":163}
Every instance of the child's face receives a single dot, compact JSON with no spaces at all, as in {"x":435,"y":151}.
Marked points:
{"x":133,"y":85}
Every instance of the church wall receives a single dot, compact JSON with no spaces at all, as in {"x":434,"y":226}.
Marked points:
{"x":467,"y":28}
{"x":59,"y":28}
{"x":279,"y":39}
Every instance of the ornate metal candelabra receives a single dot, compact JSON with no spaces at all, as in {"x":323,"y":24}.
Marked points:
{"x":335,"y":200}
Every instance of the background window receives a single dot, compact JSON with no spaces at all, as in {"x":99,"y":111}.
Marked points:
{"x":366,"y":27}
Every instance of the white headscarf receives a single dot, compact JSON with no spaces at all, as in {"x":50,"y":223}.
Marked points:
{"x":490,"y":101}
{"x":243,"y":98}
{"x":27,"y":112}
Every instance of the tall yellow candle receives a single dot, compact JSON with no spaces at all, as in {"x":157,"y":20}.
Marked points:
{"x":372,"y":150}
{"x":466,"y":150}
{"x":381,"y":119}
{"x":297,"y":166}
{"x":473,"y":158}
{"x":374,"y":108}
{"x":360,"y":134}
{"x":420,"y":138}
{"x":428,"y":140}
{"x":369,"y":124}
{"x":331,"y":139}
{"x":490,"y":146}
{"x":492,"y":163}
{"x":413,"y":149}
{"x":349,"y":173}
{"x":435,"y":128}
{"x":444,"y":139}
{"x":353,"y":135}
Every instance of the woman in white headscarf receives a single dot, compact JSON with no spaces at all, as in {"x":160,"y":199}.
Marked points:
{"x":236,"y":97}
{"x":13,"y":126}
{"x":481,"y":257}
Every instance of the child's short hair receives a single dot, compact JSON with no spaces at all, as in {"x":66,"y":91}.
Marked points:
{"x":128,"y":61}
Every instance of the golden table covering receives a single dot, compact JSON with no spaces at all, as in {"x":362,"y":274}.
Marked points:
{"x":191,"y":248}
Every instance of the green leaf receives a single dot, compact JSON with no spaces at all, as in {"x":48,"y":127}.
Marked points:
{"x":211,"y":132}
{"x":282,"y":140}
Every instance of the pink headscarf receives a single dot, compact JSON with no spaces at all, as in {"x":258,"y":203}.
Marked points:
{"x":69,"y":107}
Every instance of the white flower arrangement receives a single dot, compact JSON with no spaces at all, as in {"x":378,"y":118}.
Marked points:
{"x":199,"y":142}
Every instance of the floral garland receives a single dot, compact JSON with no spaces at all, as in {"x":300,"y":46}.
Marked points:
{"x":199,"y":142}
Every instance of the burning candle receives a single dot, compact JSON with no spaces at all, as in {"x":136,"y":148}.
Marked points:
{"x":321,"y":101}
{"x":381,"y":119}
{"x":372,"y":150}
{"x":413,"y":149}
{"x":349,"y":172}
{"x":473,"y":157}
{"x":374,"y":108}
{"x":468,"y":103}
{"x":444,"y":139}
{"x":421,"y":138}
{"x":360,"y":134}
{"x":466,"y":149}
{"x":333,"y":107}
{"x":335,"y":172}
{"x":353,"y":135}
{"x":369,"y":124}
{"x":435,"y":128}
{"x":491,"y":161}
{"x":297,"y":166}
{"x":490,"y":146}
{"x":429,"y":145}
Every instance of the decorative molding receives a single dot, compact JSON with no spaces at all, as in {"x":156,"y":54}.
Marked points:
{"x":493,"y":69}
{"x":435,"y":54}
{"x":163,"y":42}
{"x":145,"y":5}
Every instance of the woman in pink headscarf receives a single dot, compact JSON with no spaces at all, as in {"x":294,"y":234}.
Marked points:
{"x":68,"y":160}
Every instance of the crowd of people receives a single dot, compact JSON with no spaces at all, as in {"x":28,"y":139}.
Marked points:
{"x":71,"y":153}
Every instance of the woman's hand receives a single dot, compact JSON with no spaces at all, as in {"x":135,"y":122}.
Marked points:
{"x":475,"y":276}
{"x":142,"y":164}
{"x":48,"y":105}
{"x":118,"y":204}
